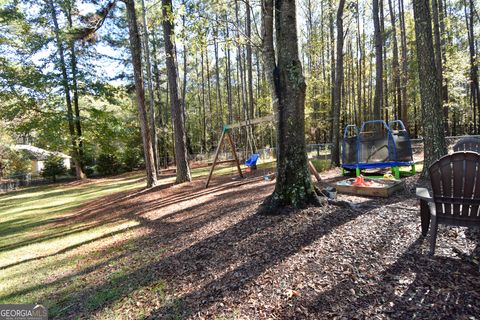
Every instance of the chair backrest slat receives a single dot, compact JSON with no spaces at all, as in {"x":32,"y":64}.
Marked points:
{"x":458,"y":181}
{"x":471,"y":168}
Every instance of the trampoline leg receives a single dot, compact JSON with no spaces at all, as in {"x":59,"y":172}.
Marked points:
{"x":343,"y":172}
{"x":358,"y":172}
{"x":396,"y":172}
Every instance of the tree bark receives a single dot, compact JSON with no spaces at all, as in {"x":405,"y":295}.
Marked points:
{"x":395,"y":64}
{"x":76,"y":107}
{"x":434,"y":136}
{"x":181,"y":158}
{"x":377,"y":100}
{"x":66,"y":87}
{"x":249,"y":59}
{"x":332,"y":62}
{"x":153,"y":130}
{"x":404,"y":73}
{"x":136,"y":51}
{"x":438,"y":52}
{"x":293,"y":185}
{"x":228,"y":71}
{"x":337,"y":97}
{"x":474,"y":87}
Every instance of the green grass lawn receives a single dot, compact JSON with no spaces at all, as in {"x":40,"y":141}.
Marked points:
{"x":37,"y":239}
{"x":47,"y":250}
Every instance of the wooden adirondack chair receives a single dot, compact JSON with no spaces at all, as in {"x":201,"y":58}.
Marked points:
{"x":467,"y":144}
{"x":455,"y":180}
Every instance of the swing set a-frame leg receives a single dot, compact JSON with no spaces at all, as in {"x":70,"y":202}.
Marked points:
{"x":224,"y":132}
{"x":232,"y":145}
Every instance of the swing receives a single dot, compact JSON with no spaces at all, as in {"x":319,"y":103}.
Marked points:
{"x":226,"y":134}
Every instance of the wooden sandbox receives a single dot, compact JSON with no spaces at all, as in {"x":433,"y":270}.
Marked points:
{"x":373,"y":188}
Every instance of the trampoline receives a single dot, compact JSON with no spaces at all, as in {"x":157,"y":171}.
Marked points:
{"x":377,"y":145}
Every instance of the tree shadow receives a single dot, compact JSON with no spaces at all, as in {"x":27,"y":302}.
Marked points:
{"x":415,"y":286}
{"x":201,"y":265}
{"x":223,"y":263}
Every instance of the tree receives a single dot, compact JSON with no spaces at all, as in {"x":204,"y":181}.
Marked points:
{"x":474,"y":86}
{"x":74,"y":136}
{"x":430,"y":93}
{"x":153,"y":130}
{"x":136,"y":51}
{"x":377,"y":100}
{"x":181,"y":158}
{"x":53,"y":167}
{"x":337,"y":98}
{"x":293,"y":185}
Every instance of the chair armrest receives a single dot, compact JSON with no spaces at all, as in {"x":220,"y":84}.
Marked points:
{"x":423,"y":194}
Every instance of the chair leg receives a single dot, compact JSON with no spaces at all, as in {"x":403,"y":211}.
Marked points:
{"x":424,"y":217}
{"x":433,"y":235}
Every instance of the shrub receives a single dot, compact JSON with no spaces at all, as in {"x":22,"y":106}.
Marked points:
{"x":132,"y":158}
{"x":13,"y":162}
{"x":53,"y":167}
{"x":321,"y":165}
{"x":107,"y":164}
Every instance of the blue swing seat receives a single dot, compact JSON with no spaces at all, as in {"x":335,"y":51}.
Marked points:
{"x":252,"y":161}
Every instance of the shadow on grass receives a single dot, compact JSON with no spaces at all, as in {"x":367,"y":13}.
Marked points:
{"x":56,"y":227}
{"x":221,"y":264}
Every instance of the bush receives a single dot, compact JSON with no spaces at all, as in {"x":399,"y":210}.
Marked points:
{"x":53,"y":167}
{"x":13,"y":162}
{"x":132,"y":158}
{"x":89,"y":171}
{"x":107,"y":164}
{"x":321,"y":165}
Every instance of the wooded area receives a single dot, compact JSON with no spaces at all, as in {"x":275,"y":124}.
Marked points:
{"x":67,"y":74}
{"x":240,"y":159}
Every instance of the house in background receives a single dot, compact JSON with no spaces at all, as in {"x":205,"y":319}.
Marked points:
{"x":37,"y":156}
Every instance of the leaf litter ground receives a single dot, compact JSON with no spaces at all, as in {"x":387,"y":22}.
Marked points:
{"x":198,"y":253}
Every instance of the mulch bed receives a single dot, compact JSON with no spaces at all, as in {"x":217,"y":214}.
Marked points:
{"x":220,"y":259}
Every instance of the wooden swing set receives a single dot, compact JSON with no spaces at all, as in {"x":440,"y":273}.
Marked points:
{"x":226,"y":134}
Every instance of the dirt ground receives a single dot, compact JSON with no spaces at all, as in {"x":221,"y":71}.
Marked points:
{"x":215,"y":258}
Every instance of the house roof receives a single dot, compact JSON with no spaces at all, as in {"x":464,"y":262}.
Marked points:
{"x":39,"y":154}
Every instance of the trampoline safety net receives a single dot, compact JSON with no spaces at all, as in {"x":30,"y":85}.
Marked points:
{"x":376,"y":143}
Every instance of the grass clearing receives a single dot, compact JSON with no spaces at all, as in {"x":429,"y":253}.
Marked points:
{"x":51,"y":244}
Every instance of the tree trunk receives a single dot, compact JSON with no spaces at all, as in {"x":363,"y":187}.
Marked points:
{"x":434,"y":136}
{"x":76,"y":107}
{"x":332,"y":62}
{"x":153,"y":130}
{"x":204,"y":106}
{"x":443,"y":35}
{"x":162,"y":147}
{"x":337,"y":97}
{"x":438,"y":52}
{"x":395,"y":64}
{"x":228,"y":70}
{"x":218,"y":95}
{"x":181,"y":158}
{"x":404,"y":73}
{"x":136,"y":50}
{"x":377,"y":100}
{"x":66,"y":88}
{"x":385,"y":107}
{"x":359,"y":69}
{"x":474,"y":87}
{"x":293,"y":185}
